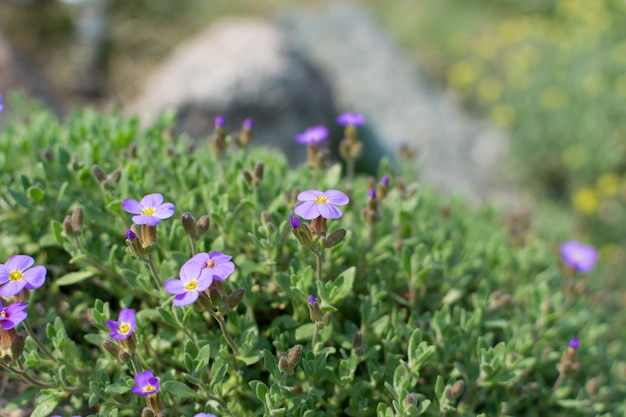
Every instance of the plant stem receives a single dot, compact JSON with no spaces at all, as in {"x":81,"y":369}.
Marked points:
{"x":192,"y":243}
{"x":134,"y":363}
{"x":41,"y":346}
{"x":318,"y":264}
{"x":316,"y":332}
{"x":220,"y":320}
{"x":25,"y":376}
{"x":153,"y":271}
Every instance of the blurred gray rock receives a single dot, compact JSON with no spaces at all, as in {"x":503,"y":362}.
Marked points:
{"x":371,"y":74}
{"x":238,"y":68}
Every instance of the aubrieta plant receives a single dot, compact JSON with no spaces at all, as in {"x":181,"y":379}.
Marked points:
{"x":412,"y":303}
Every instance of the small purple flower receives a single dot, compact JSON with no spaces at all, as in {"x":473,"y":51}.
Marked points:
{"x":189,"y":285}
{"x":220,"y":121}
{"x":350,"y":119}
{"x":1,"y":105}
{"x":384,"y":181}
{"x":579,"y":256}
{"x":312,"y":135}
{"x":214,"y":265}
{"x":248,"y":123}
{"x":146,"y":384}
{"x":204,"y":415}
{"x":316,"y":203}
{"x":130,"y":235}
{"x":371,"y":193}
{"x":17,"y":274}
{"x":150,"y":210}
{"x":12,"y":315}
{"x":311,"y":300}
{"x":295,"y":222}
{"x":125,"y":326}
{"x":574,"y":343}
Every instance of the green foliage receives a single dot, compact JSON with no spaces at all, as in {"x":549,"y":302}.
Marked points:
{"x":432,"y":294}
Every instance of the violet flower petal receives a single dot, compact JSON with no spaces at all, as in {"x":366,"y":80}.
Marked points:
{"x":132,"y":206}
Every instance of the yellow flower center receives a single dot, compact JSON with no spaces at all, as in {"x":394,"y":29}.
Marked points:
{"x":3,"y":314}
{"x":191,"y":285}
{"x":148,"y":211}
{"x":15,"y":275}
{"x":148,"y":388}
{"x":124,"y":328}
{"x":210,"y":264}
{"x":321,"y":199}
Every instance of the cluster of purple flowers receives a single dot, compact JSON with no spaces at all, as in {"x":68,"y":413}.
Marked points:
{"x":197,"y":275}
{"x":317,"y":134}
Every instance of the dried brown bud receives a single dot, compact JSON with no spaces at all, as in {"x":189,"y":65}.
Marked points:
{"x":247,"y":175}
{"x":215,"y":295}
{"x":294,"y":357}
{"x":77,"y":220}
{"x":67,"y":226}
{"x":146,"y":412}
{"x":203,"y":224}
{"x":189,"y":225}
{"x":17,"y":347}
{"x":47,"y":155}
{"x":327,"y":318}
{"x":410,"y":400}
{"x":99,"y":174}
{"x":113,"y":348}
{"x":258,"y":171}
{"x":283,"y":364}
{"x":457,"y":388}
{"x":235,"y":298}
{"x":115,"y":176}
{"x":335,"y":237}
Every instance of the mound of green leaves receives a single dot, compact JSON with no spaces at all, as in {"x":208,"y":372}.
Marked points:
{"x":436,"y":309}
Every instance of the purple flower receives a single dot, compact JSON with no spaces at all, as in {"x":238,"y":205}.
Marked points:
{"x":12,"y":315}
{"x":214,"y":265}
{"x":371,"y":193}
{"x":146,"y":384}
{"x":350,"y":119}
{"x":295,"y":222}
{"x":17,"y":274}
{"x":220,"y":121}
{"x":574,"y":343}
{"x":125,"y":326}
{"x":312,"y":135}
{"x":579,"y":256}
{"x":204,"y":415}
{"x":248,"y":123}
{"x":384,"y":181}
{"x":1,"y":105}
{"x":150,"y":210}
{"x":315,"y":203}
{"x":191,"y":282}
{"x":311,"y":300}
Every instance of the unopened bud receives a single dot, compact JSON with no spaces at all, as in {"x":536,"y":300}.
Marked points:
{"x":124,"y":357}
{"x":247,"y":175}
{"x":294,"y":357}
{"x":234,"y":298}
{"x":335,"y":237}
{"x":99,"y":174}
{"x":67,"y":226}
{"x":189,"y":225}
{"x":115,"y":176}
{"x":315,"y":313}
{"x":283,"y":364}
{"x":17,"y":347}
{"x":47,"y":155}
{"x":203,"y":224}
{"x":77,"y":220}
{"x":593,"y":386}
{"x":148,"y":236}
{"x":113,"y":348}
{"x":146,"y":412}
{"x":258,"y":171}
{"x":457,"y":388}
{"x":327,"y":318}
{"x":215,"y":295}
{"x":132,"y":151}
{"x":203,"y":303}
{"x":410,"y":400}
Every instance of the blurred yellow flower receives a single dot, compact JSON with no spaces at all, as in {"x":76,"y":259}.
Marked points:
{"x":490,"y":90}
{"x":594,"y":84}
{"x":514,"y":30}
{"x":575,"y":157}
{"x":607,"y":185}
{"x":618,"y":52}
{"x":585,"y":200}
{"x":463,"y":73}
{"x":553,"y":98}
{"x":611,"y":252}
{"x":620,"y":85}
{"x":503,"y":115}
{"x":486,"y":47}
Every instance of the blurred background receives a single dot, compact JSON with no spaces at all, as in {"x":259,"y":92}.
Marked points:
{"x":535,"y":90}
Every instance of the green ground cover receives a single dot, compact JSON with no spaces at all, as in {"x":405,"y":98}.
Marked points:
{"x":428,"y":307}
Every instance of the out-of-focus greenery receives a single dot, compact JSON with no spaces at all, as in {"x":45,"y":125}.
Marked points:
{"x":440,"y":292}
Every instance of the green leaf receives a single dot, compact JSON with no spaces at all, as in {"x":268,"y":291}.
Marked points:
{"x":342,"y":286}
{"x":45,"y":407}
{"x":74,"y":278}
{"x":179,"y":390}
{"x":119,"y":388}
{"x":36,"y":193}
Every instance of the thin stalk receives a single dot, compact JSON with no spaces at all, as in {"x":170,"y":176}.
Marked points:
{"x":211,"y":396}
{"x":135,"y":363}
{"x":318,"y":264}
{"x":220,"y":320}
{"x":153,"y":271}
{"x":25,"y":376}
{"x":314,"y":340}
{"x":192,"y":243}
{"x":558,"y":382}
{"x":41,"y":346}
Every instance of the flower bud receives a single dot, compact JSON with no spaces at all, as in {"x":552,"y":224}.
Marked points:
{"x":148,"y":236}
{"x":283,"y":364}
{"x":294,"y":357}
{"x":99,"y":174}
{"x":67,"y":226}
{"x":130,"y":343}
{"x":258,"y":172}
{"x":335,"y":237}
{"x":17,"y":347}
{"x":319,"y":226}
{"x":47,"y":155}
{"x":203,"y":303}
{"x":146,"y":412}
{"x":203,"y":224}
{"x":113,"y":348}
{"x":189,"y":225}
{"x":457,"y":389}
{"x":410,"y":400}
{"x":327,"y":318}
{"x":77,"y":220}
{"x":215,"y":295}
{"x":315,"y":313}
{"x":154,"y":403}
{"x":247,"y":175}
{"x":234,"y":298}
{"x":115,"y":176}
